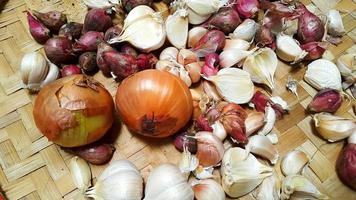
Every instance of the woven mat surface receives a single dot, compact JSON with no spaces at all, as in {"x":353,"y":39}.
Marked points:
{"x":31,"y":167}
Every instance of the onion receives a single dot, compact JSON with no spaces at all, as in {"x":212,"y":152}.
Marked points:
{"x":59,"y":50}
{"x":154,"y":103}
{"x":97,"y":20}
{"x":346,"y":167}
{"x":310,"y":27}
{"x":247,"y":8}
{"x":226,"y":20}
{"x":88,"y":42}
{"x":38,"y":31}
{"x":68,"y":70}
{"x":53,"y":20}
{"x":71,"y":30}
{"x":73,"y":111}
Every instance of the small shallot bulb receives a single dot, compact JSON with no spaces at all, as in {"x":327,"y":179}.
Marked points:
{"x":169,"y":53}
{"x":195,"y":34}
{"x":210,"y":149}
{"x":81,"y":173}
{"x":294,"y":162}
{"x":208,"y":189}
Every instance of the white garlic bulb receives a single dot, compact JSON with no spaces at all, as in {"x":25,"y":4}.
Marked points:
{"x":322,"y":74}
{"x":167,"y":182}
{"x":347,"y":67}
{"x":121,"y":180}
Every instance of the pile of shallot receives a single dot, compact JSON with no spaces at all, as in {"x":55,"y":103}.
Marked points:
{"x":222,"y":50}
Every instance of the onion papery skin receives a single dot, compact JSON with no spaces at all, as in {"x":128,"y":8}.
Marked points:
{"x":70,"y":113}
{"x":154,"y":103}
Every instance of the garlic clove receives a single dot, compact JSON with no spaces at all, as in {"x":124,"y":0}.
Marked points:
{"x":210,"y":149}
{"x":195,"y":34}
{"x":232,"y":56}
{"x":333,"y":128}
{"x":165,"y":65}
{"x":241,"y":174}
{"x":139,"y":12}
{"x":208,"y":189}
{"x":246,"y":30}
{"x":193,"y":71}
{"x":211,"y":91}
{"x":203,"y":7}
{"x":326,"y":100}
{"x":270,"y":119}
{"x":184,"y":75}
{"x":52,"y":74}
{"x":186,"y":56}
{"x":297,"y":186}
{"x":323,"y":74}
{"x":233,"y":85}
{"x":335,"y":24}
{"x":219,"y":130}
{"x":81,"y":173}
{"x":236,"y":44}
{"x":294,"y":162}
{"x":269,"y":188}
{"x":262,"y":146}
{"x":288,"y":49}
{"x":262,"y":65}
{"x":195,"y":19}
{"x":273,"y":137}
{"x":254,"y":122}
{"x":177,"y":28}
{"x":169,"y":53}
{"x":347,"y":66}
{"x":188,"y":162}
{"x":34,"y":69}
{"x":203,"y":172}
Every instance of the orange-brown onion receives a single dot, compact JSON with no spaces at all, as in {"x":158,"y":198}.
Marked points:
{"x":154,"y":103}
{"x":74,"y":111}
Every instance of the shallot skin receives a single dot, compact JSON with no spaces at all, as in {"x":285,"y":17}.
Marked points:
{"x":71,"y":30}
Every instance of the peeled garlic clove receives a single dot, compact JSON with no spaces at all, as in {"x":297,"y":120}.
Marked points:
{"x":193,"y":71}
{"x":233,"y":84}
{"x":254,"y":122}
{"x":262,"y":65}
{"x":208,"y":189}
{"x":262,"y":146}
{"x":347,"y":66}
{"x":241,"y":174}
{"x":177,"y":28}
{"x":333,"y":128}
{"x":294,"y":162}
{"x":219,"y":130}
{"x":167,"y":182}
{"x":270,"y":119}
{"x":210,"y":149}
{"x":203,"y":172}
{"x":335,"y":25}
{"x":186,"y":56}
{"x":269,"y":189}
{"x":297,"y":186}
{"x":195,"y":34}
{"x":231,"y":57}
{"x":203,"y":7}
{"x":211,"y":91}
{"x":34,"y":69}
{"x":194,"y":18}
{"x":169,"y":53}
{"x":81,"y":173}
{"x":52,"y":74}
{"x":246,"y":30}
{"x":288,"y":49}
{"x":322,"y":74}
{"x":236,"y":44}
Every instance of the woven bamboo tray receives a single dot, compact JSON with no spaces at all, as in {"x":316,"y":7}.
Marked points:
{"x":31,"y":167}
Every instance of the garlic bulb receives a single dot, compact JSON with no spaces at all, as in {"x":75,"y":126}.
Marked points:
{"x":254,"y":122}
{"x":138,"y":13}
{"x":208,"y":189}
{"x":121,"y":180}
{"x":100,"y":3}
{"x":167,"y":182}
{"x":36,"y":72}
{"x":322,"y":74}
{"x":210,"y":149}
{"x":233,"y":84}
{"x":335,"y":25}
{"x":288,"y":49}
{"x":236,"y":44}
{"x":262,"y":146}
{"x":169,"y":53}
{"x":81,"y":173}
{"x":232,"y":56}
{"x":144,"y":31}
{"x":347,"y":67}
{"x":262,"y":65}
{"x":246,"y":30}
{"x":333,"y":128}
{"x":299,"y":187}
{"x":241,"y":174}
{"x":177,"y":28}
{"x":174,"y":68}
{"x":195,"y":34}
{"x":219,"y":130}
{"x":269,"y":189}
{"x":270,"y":119}
{"x":294,"y":162}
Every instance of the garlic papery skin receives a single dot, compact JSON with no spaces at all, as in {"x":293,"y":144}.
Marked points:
{"x":233,"y":84}
{"x":169,"y":53}
{"x":100,"y":3}
{"x":262,"y":146}
{"x":177,"y":28}
{"x":195,"y":34}
{"x":34,"y":69}
{"x":299,"y":187}
{"x":270,"y":119}
{"x":210,"y":149}
{"x":208,"y":189}
{"x":219,"y":130}
{"x":347,"y":67}
{"x":294,"y":162}
{"x":232,"y":56}
{"x":246,"y":30}
{"x":323,"y":74}
{"x":241,"y":174}
{"x":52,"y":75}
{"x":81,"y":173}
{"x":146,"y":32}
{"x":254,"y":122}
{"x":335,"y":25}
{"x":288,"y":49}
{"x":236,"y":44}
{"x":121,"y":180}
{"x":167,"y":182}
{"x":262,"y":65}
{"x":269,"y":189}
{"x":333,"y":128}
{"x":188,"y":162}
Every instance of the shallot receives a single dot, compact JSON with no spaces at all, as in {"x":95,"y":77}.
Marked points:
{"x":38,"y":31}
{"x":247,"y":8}
{"x":53,"y":20}
{"x":226,"y":20}
{"x":122,"y":65}
{"x":68,"y":70}
{"x":315,"y":50}
{"x":59,"y":50}
{"x":103,"y":47}
{"x":345,"y":167}
{"x":87,"y":62}
{"x":97,"y":20}
{"x":71,"y":30}
{"x":88,"y":42}
{"x":112,"y":32}
{"x":95,"y":153}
